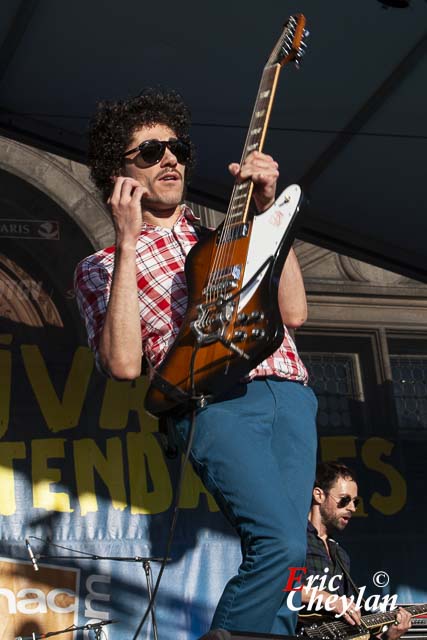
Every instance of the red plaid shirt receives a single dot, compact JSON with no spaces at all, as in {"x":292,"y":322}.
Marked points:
{"x":162,"y":295}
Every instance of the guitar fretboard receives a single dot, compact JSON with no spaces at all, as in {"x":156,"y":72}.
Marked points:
{"x":376,"y":619}
{"x":240,"y":198}
{"x":369,"y":621}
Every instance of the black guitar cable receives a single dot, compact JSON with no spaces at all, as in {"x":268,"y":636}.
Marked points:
{"x":175,"y":512}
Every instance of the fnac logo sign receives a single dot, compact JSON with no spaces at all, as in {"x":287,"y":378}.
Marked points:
{"x":36,"y":602}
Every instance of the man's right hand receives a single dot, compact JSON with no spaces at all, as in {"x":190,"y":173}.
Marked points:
{"x":126,"y":210}
{"x":352,"y":614}
{"x":120,"y":348}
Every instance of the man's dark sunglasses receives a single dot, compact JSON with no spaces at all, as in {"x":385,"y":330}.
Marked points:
{"x":152,"y":151}
{"x":345,"y":500}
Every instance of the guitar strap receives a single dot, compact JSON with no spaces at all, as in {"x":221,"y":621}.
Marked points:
{"x":335,"y":552}
{"x":201,"y":230}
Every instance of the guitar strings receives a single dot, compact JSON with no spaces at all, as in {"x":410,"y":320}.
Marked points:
{"x":226,"y":251}
{"x":236,"y":214}
{"x":225,"y":254}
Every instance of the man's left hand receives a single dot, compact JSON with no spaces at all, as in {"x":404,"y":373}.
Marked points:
{"x":264,"y":172}
{"x":401,"y":625}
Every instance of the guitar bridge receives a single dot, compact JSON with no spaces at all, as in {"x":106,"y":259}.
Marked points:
{"x":220,"y":287}
{"x":223,"y":280}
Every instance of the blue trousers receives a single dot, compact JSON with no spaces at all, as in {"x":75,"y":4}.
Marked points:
{"x":255,"y":451}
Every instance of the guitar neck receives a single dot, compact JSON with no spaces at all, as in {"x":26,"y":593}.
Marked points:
{"x":290,"y":47}
{"x":242,"y":193}
{"x":376,"y":619}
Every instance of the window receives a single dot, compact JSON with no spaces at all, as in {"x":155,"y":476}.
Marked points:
{"x":408,"y":359}
{"x":335,"y":379}
{"x":342,"y":373}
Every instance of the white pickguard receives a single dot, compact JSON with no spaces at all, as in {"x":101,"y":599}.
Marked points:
{"x":267,"y":232}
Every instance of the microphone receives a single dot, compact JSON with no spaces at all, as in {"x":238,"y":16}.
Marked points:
{"x":35,"y":567}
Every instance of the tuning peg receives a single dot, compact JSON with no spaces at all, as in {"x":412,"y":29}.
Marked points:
{"x":298,"y":59}
{"x":299,"y":56}
{"x":306,"y":33}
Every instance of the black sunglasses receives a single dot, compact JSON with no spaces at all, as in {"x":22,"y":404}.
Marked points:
{"x":152,"y":151}
{"x":345,"y":500}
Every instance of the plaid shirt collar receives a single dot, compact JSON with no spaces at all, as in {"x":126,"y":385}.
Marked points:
{"x":317,"y":556}
{"x":186,"y":214}
{"x":313,"y":533}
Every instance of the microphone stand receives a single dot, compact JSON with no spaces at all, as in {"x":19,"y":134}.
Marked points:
{"x":96,"y":626}
{"x":144,"y":560}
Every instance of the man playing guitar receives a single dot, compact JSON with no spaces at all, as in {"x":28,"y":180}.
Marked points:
{"x":254,"y":447}
{"x":335,"y":499}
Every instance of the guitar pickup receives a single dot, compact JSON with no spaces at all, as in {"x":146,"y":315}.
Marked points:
{"x":233,"y":232}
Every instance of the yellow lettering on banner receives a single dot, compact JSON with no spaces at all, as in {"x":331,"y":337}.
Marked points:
{"x":9,"y":451}
{"x":65,"y":414}
{"x":334,"y":448}
{"x":192,"y":489}
{"x":88,"y":458}
{"x":45,"y":476}
{"x":122,"y":397}
{"x":150,"y":485}
{"x":372,"y":451}
{"x":5,"y":383}
{"x":337,"y":447}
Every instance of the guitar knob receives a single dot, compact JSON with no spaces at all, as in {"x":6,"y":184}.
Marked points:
{"x":239,"y":336}
{"x":242,"y":318}
{"x":256,"y":315}
{"x":258,"y":333}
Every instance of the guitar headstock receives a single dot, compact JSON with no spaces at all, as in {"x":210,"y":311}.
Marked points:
{"x":291,"y":45}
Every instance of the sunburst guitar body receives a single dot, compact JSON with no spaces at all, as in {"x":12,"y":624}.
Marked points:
{"x":233,"y":318}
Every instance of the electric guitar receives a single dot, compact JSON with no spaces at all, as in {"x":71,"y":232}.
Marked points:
{"x":341,"y":630}
{"x":232,"y":321}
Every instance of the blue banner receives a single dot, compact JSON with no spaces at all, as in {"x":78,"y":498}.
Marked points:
{"x":81,"y":466}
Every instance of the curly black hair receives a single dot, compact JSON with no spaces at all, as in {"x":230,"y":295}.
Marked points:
{"x":327,"y":473}
{"x":114,"y":123}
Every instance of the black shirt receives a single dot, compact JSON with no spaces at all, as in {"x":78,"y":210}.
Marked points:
{"x":318,"y":560}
